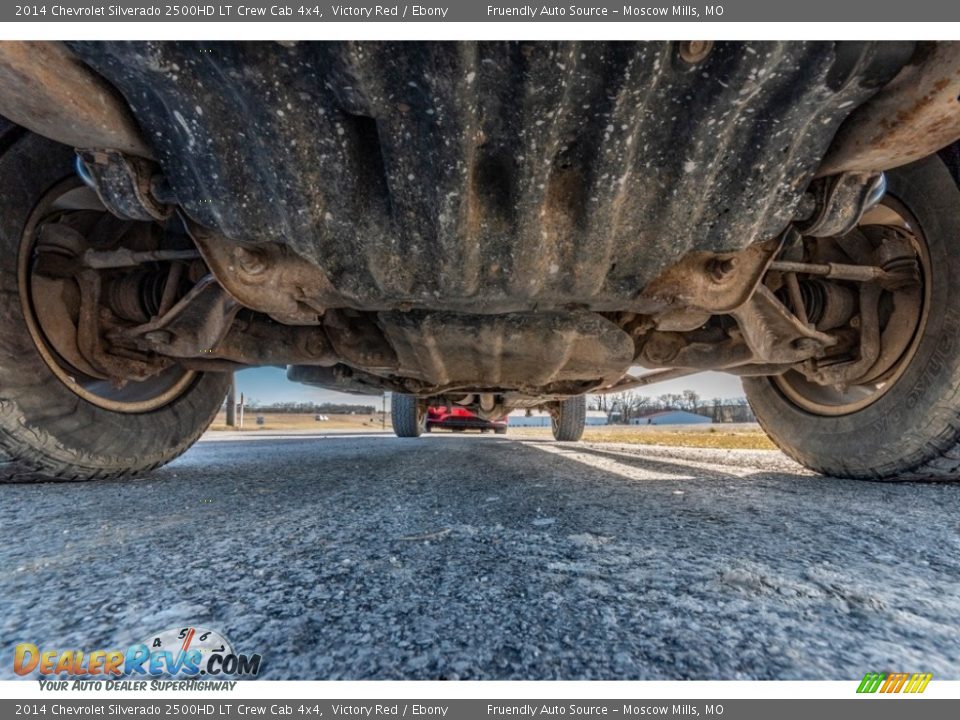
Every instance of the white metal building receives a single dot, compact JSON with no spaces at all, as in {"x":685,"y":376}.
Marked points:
{"x":671,"y":417}
{"x":538,"y":418}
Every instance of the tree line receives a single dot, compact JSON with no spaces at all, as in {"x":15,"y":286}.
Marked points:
{"x":625,"y":406}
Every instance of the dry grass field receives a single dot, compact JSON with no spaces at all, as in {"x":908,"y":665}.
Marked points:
{"x":301,"y":421}
{"x":746,"y":436}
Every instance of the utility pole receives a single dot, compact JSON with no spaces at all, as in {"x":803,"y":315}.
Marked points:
{"x":241,"y":411}
{"x":383,"y":411}
{"x":232,"y":402}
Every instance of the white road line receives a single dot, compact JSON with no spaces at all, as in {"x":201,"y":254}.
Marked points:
{"x":678,"y":456}
{"x":608,"y":465}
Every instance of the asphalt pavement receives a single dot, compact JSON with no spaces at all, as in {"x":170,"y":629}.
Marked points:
{"x":359,"y":555}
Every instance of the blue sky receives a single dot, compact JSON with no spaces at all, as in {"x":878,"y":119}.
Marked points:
{"x":269,"y":385}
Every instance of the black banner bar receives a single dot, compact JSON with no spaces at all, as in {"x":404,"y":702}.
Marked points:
{"x":591,"y":11}
{"x":873,"y":707}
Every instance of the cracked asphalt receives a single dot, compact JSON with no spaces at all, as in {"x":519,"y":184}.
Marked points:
{"x":352,"y":556}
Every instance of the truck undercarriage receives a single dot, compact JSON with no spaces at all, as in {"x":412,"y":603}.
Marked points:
{"x":498,"y":225}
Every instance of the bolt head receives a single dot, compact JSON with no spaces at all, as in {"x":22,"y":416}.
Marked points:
{"x":693,"y":51}
{"x":720,"y":268}
{"x":250,"y":261}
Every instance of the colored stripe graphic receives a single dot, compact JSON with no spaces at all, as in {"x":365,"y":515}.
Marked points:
{"x":894,"y":682}
{"x":918,"y":683}
{"x":870,"y":683}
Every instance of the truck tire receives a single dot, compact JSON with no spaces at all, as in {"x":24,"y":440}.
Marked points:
{"x":408,"y":419}
{"x":569,"y":419}
{"x":47,"y":430}
{"x":911,"y":430}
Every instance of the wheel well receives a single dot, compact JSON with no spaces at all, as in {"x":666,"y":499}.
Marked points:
{"x":951,"y":158}
{"x":9,"y":133}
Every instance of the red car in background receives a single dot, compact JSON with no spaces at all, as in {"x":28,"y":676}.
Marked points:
{"x":458,"y":418}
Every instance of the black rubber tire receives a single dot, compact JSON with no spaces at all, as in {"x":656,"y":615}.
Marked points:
{"x":912,"y":431}
{"x":500,"y":431}
{"x":570,"y":419}
{"x":47,"y":432}
{"x":405,"y":414}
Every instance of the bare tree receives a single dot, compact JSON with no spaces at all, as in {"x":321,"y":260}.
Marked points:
{"x":691,"y":401}
{"x":598,"y":402}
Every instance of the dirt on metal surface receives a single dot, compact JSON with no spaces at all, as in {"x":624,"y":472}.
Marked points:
{"x":916,"y":115}
{"x":44,"y":87}
{"x":501,"y":176}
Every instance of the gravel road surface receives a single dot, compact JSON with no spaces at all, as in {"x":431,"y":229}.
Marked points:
{"x":348,"y":556}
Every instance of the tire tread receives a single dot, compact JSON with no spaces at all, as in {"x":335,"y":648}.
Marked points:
{"x":403,"y":415}
{"x":571,"y":419}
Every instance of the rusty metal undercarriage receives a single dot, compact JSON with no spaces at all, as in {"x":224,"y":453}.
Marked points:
{"x":441,"y":234}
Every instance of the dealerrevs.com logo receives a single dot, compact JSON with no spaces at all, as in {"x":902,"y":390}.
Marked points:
{"x":188,"y":652}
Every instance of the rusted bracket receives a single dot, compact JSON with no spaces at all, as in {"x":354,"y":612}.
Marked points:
{"x":269,"y":278}
{"x":124,"y":184}
{"x":774,"y":334}
{"x":767,"y":333}
{"x":203,"y":327}
{"x":841,"y":201}
{"x":193,"y":326}
{"x":717,"y":283}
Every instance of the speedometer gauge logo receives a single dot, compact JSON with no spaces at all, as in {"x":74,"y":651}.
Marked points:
{"x":201,"y":643}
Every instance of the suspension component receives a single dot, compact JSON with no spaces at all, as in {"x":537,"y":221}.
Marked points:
{"x":843,"y":373}
{"x":136,"y":296}
{"x":832,"y":271}
{"x":125,"y":184}
{"x":828,"y":305}
{"x":840,"y":201}
{"x":896,"y":256}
